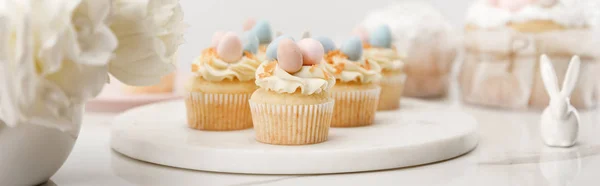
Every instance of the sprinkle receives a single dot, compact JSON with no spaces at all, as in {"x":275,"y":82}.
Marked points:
{"x":195,"y":68}
{"x":339,"y":68}
{"x":249,"y":55}
{"x":366,"y":65}
{"x":331,"y":54}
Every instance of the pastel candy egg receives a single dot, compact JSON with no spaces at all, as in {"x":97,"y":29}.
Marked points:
{"x":271,"y":52}
{"x":328,"y":44}
{"x":216,"y":38}
{"x":381,"y":37}
{"x":250,"y":42}
{"x":230,"y":48}
{"x":312,"y":51}
{"x":353,"y":48}
{"x":361,"y":32}
{"x":289,"y":56}
{"x":249,"y":24}
{"x":262,"y":29}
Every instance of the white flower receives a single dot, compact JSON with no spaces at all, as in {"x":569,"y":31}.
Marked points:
{"x":149,"y":32}
{"x":53,"y":58}
{"x":56,"y":55}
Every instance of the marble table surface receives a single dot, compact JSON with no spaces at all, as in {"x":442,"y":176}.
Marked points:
{"x":510,"y":152}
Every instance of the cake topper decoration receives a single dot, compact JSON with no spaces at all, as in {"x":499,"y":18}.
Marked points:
{"x":229,"y":47}
{"x":353,"y":48}
{"x":289,"y":55}
{"x":271,"y":52}
{"x":249,"y":24}
{"x":361,"y":32}
{"x":262,"y":29}
{"x":250,"y":42}
{"x":328,"y":44}
{"x":559,"y":124}
{"x":312,"y":51}
{"x":216,"y":38}
{"x":381,"y":37}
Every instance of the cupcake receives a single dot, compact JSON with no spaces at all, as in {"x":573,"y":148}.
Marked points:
{"x":357,"y":91}
{"x":378,"y":48}
{"x":292,"y":105}
{"x":262,"y":30}
{"x":503,"y":42}
{"x":426,"y":40}
{"x":218,"y":93}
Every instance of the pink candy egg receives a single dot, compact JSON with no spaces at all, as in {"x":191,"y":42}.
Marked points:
{"x":249,"y":24}
{"x":362,"y":33}
{"x":289,"y":56}
{"x":216,"y":38}
{"x":312,"y":51}
{"x":230,"y":47}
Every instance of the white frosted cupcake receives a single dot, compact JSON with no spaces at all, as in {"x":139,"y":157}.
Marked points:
{"x":503,"y":42}
{"x":357,"y":92}
{"x":218,"y":94}
{"x":378,"y":48}
{"x":292,"y":105}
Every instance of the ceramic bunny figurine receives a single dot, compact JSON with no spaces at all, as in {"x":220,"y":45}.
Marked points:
{"x":559,"y":124}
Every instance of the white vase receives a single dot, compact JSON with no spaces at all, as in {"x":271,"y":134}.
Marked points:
{"x":31,"y":154}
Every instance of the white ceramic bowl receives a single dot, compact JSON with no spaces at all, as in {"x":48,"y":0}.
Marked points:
{"x":31,"y":154}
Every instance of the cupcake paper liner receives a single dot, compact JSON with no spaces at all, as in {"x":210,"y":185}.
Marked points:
{"x":218,"y":112}
{"x":291,"y":124}
{"x":355,"y":108}
{"x":391,"y":91}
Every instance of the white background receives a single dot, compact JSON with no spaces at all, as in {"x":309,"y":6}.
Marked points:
{"x":332,"y":18}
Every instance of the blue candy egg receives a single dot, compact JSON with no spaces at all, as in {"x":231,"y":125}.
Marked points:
{"x":353,"y":48}
{"x":262,"y":30}
{"x":327,"y":43}
{"x":272,"y":48}
{"x":250,"y":42}
{"x":381,"y":37}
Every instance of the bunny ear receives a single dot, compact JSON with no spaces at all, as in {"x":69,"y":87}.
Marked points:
{"x":548,"y":76}
{"x":571,"y":76}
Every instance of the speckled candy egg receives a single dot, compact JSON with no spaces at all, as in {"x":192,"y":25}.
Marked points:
{"x":230,"y":48}
{"x":289,"y":56}
{"x":353,"y":48}
{"x":250,"y":42}
{"x":262,"y":29}
{"x":312,"y":51}
{"x":328,"y":44}
{"x":271,"y":52}
{"x":216,"y":38}
{"x":381,"y":37}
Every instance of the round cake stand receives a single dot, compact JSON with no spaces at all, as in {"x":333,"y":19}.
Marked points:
{"x":413,"y":135}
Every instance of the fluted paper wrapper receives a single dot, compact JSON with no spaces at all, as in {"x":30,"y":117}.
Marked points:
{"x":501,"y":68}
{"x":391,"y":91}
{"x":355,"y":108}
{"x":218,"y":112}
{"x":291,"y":124}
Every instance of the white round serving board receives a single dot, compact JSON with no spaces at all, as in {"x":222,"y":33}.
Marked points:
{"x":417,"y":134}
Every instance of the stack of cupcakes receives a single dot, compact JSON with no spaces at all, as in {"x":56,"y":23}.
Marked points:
{"x":298,"y":90}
